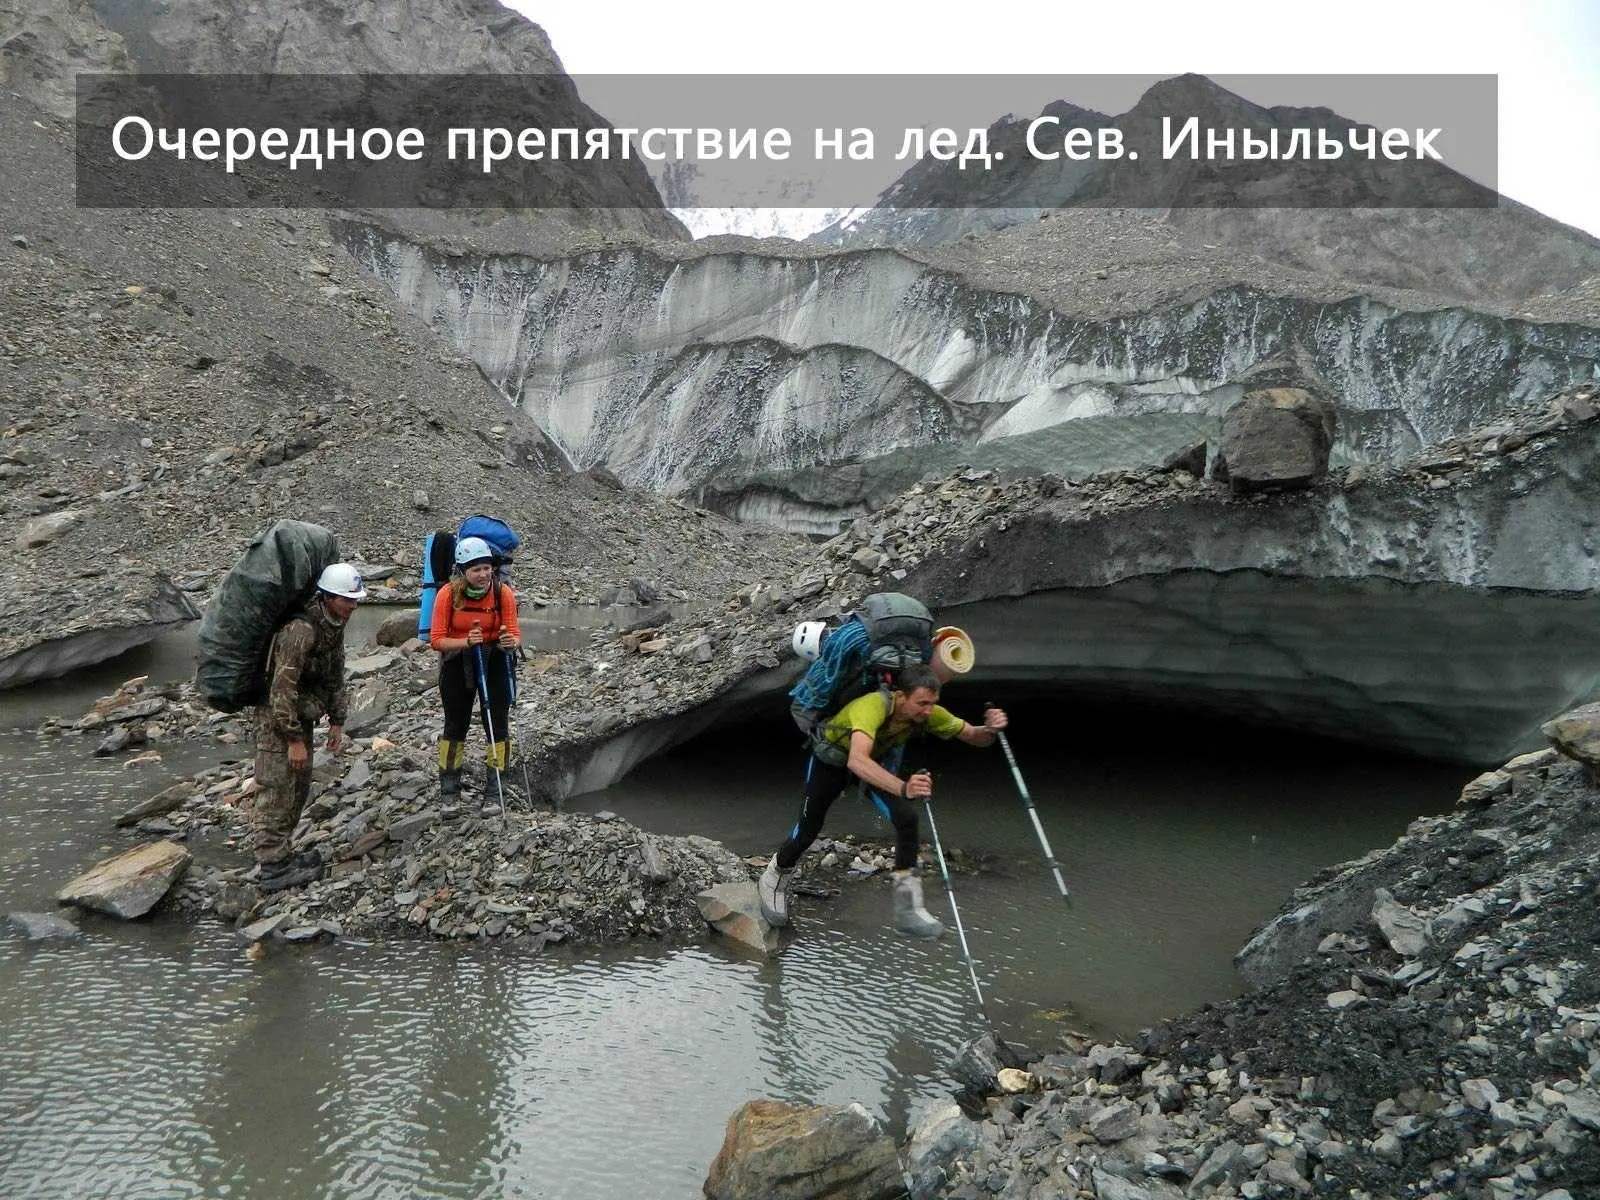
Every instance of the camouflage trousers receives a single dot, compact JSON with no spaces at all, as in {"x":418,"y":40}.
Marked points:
{"x":281,"y":793}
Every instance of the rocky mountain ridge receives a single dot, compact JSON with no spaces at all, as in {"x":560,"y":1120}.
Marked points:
{"x":45,"y":43}
{"x":1505,"y":254}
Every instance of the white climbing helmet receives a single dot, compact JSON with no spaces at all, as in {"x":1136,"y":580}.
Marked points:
{"x":807,"y":641}
{"x":473,"y":549}
{"x":342,"y":579}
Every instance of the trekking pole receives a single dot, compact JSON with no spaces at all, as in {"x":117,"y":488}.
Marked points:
{"x":961,"y":933}
{"x":1033,"y":813}
{"x":488,"y":727}
{"x":512,"y":663}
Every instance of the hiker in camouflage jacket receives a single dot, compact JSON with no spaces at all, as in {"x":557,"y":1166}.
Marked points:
{"x":305,"y":682}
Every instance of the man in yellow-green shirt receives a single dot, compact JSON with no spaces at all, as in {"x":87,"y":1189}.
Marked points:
{"x":865,"y":739}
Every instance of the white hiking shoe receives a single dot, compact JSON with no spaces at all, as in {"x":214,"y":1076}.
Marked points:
{"x":773,"y":891}
{"x":910,"y":918}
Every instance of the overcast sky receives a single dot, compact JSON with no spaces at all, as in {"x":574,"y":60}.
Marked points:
{"x":1544,"y":52}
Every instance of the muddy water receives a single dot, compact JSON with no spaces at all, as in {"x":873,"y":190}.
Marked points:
{"x":153,"y":1059}
{"x":1178,"y":838}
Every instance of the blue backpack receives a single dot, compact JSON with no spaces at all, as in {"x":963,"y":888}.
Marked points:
{"x":496,"y":532}
{"x":439,"y":559}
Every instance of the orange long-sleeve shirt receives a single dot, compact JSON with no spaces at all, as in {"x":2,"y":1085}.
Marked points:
{"x":451,"y":624}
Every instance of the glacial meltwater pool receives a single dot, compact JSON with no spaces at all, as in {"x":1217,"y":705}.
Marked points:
{"x":154,"y":1059}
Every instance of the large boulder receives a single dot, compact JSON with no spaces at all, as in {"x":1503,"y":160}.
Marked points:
{"x":734,"y":910}
{"x":1276,"y":438}
{"x":1406,"y":933}
{"x":162,"y":802}
{"x":977,"y":1065}
{"x":398,"y":628}
{"x":775,"y":1151}
{"x":1576,"y":733}
{"x":129,"y":884}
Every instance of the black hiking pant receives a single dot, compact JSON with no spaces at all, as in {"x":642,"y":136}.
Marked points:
{"x":458,"y":689}
{"x":824,"y":783}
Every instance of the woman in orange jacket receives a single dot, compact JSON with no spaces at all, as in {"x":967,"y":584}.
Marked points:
{"x":476,"y":609}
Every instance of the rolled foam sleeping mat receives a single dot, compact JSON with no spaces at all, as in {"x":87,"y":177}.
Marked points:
{"x":954,"y":649}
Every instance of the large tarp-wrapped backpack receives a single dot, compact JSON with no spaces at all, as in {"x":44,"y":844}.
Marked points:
{"x":274,"y":578}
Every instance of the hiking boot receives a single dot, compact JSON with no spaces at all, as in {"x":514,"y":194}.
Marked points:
{"x":286,"y":873}
{"x":910,"y":917}
{"x":773,"y":891}
{"x":265,"y":866}
{"x":450,"y":755}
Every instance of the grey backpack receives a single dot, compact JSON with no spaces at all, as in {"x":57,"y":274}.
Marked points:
{"x":899,"y":631}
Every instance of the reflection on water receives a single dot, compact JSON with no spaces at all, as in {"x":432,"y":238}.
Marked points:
{"x":153,"y":1059}
{"x":173,"y":1067}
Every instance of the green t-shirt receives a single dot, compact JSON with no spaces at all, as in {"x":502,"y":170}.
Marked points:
{"x":870,"y":715}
